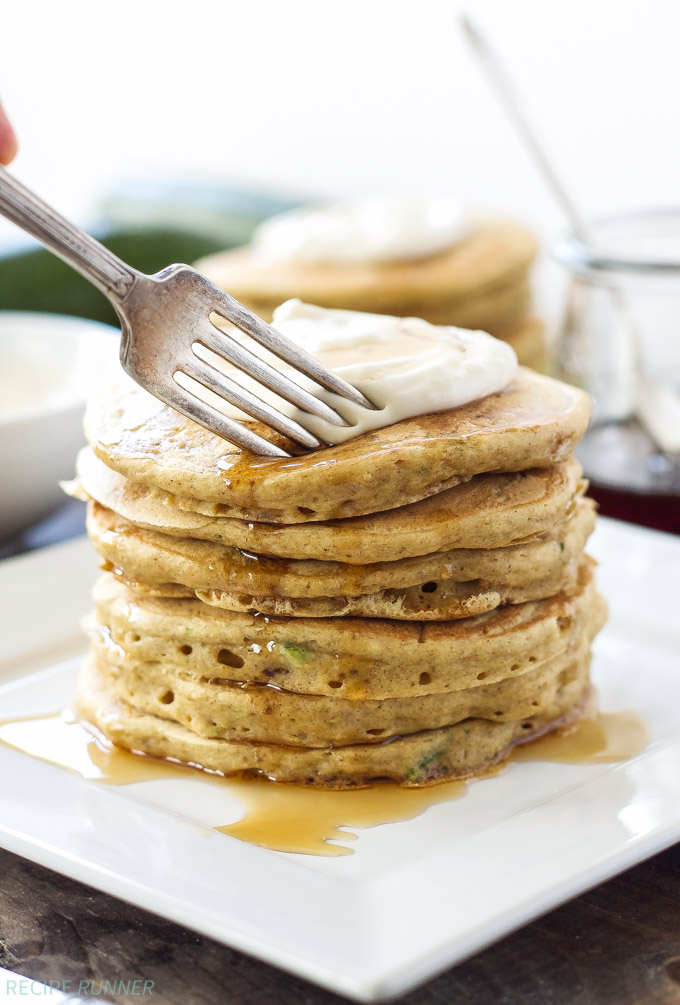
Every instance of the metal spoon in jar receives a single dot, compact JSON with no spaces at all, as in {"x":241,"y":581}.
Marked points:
{"x":657,"y":406}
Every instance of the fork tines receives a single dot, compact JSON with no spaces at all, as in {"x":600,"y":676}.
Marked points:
{"x":267,"y":336}
{"x":230,"y":349}
{"x":185,"y":401}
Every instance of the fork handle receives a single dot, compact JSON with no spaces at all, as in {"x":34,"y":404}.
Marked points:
{"x":104,"y":269}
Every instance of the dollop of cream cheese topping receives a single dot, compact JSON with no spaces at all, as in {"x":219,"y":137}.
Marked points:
{"x":364,"y":231}
{"x":405,"y":366}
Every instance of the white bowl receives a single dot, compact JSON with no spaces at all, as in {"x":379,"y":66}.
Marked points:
{"x":46,"y":362}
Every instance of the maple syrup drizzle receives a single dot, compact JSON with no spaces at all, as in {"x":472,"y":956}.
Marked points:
{"x":296,"y":818}
{"x":63,"y":740}
{"x":604,"y":737}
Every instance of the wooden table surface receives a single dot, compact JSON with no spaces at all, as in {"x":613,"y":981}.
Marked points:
{"x":616,"y":945}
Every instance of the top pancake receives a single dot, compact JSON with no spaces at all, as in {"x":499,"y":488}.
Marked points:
{"x":494,"y":253}
{"x":534,"y":422}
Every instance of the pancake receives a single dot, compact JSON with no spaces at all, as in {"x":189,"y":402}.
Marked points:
{"x":488,"y":511}
{"x":492,"y":254}
{"x":537,"y":361}
{"x":534,"y":422}
{"x":489,"y":309}
{"x":220,"y":708}
{"x":528,"y":338}
{"x":490,"y":312}
{"x":154,"y":563}
{"x":354,"y":658}
{"x":434,"y":755}
{"x":429,"y":602}
{"x":155,"y":558}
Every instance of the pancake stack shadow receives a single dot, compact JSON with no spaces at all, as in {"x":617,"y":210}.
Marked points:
{"x":408,"y":605}
{"x":481,"y":282}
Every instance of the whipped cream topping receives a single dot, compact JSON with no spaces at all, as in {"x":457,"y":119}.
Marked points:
{"x":370,"y":230}
{"x":405,"y":366}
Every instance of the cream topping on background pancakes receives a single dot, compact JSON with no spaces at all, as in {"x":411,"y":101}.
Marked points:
{"x":367,"y":230}
{"x":405,"y":366}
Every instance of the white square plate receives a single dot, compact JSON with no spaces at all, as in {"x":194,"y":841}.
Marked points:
{"x":417,"y":896}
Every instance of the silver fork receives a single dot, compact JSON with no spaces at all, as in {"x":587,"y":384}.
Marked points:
{"x":166,"y":316}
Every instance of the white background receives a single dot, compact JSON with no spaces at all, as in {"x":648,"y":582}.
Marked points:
{"x":332,"y":98}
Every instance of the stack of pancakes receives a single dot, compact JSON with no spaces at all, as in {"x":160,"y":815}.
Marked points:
{"x":408,"y":605}
{"x":481,"y":282}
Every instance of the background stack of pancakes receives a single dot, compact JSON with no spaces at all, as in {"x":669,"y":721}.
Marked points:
{"x":480,"y":282}
{"x":409,"y":604}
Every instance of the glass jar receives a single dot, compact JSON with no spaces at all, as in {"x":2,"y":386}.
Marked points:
{"x":620,"y":341}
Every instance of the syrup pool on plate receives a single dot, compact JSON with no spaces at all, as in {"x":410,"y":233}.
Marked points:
{"x":298,"y":819}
